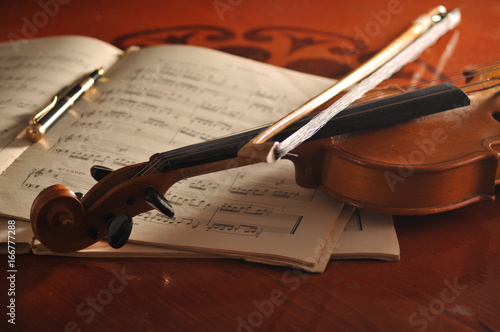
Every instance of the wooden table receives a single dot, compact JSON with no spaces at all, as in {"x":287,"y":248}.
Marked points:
{"x":448,"y":276}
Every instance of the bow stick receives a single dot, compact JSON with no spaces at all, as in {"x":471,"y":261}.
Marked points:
{"x":423,"y":33}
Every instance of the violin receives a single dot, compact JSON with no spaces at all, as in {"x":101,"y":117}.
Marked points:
{"x":398,"y":164}
{"x":430,"y":165}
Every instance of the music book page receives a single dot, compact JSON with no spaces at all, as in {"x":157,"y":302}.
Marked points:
{"x":368,"y":235}
{"x":358,"y":235}
{"x":164,"y":97}
{"x":32,"y":72}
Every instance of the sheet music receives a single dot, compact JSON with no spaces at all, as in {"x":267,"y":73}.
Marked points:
{"x":165,"y":97}
{"x":32,"y":72}
{"x":368,"y":235}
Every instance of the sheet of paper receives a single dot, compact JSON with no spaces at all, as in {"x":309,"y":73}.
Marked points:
{"x":358,"y":235}
{"x":165,"y":97}
{"x":32,"y":72}
{"x":154,"y":100}
{"x":368,"y":235}
{"x":15,"y":234}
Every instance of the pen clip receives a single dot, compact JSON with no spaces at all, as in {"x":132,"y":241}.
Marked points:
{"x":42,"y":113}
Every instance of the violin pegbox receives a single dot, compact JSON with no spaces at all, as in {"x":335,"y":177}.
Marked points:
{"x":98,"y":172}
{"x":157,"y":201}
{"x":120,"y":228}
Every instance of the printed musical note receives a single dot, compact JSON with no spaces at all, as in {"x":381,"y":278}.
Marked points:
{"x":285,"y":194}
{"x":199,"y":203}
{"x":193,"y":75}
{"x":59,"y":151}
{"x":209,"y":91}
{"x":82,"y":155}
{"x":246,"y":209}
{"x":211,"y":124}
{"x":261,"y":107}
{"x":232,"y":113}
{"x":203,"y":185}
{"x":155,"y":122}
{"x":123,"y":161}
{"x":266,"y":186}
{"x":40,"y":178}
{"x":143,"y":106}
{"x":122,"y":148}
{"x":128,"y":103}
{"x":156,"y":217}
{"x":170,"y":69}
{"x":213,"y":107}
{"x":196,"y":134}
{"x":252,"y":221}
{"x":118,"y":115}
{"x":217,"y":79}
{"x":248,"y":191}
{"x":189,"y":87}
{"x":176,"y":199}
{"x":274,"y":96}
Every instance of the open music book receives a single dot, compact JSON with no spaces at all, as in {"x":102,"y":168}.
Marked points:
{"x":153,"y":100}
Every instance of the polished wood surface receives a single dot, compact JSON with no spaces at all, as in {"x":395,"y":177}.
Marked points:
{"x":448,"y":275}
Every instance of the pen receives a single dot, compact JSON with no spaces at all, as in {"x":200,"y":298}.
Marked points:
{"x":44,"y":119}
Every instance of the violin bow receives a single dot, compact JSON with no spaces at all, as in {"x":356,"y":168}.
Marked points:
{"x":423,"y":33}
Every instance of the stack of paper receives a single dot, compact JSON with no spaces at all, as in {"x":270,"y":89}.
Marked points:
{"x":155,"y":100}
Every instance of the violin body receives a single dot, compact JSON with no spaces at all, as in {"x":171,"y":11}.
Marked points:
{"x":432,"y":164}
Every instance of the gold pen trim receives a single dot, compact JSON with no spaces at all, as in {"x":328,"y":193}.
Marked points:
{"x":39,"y":124}
{"x":41,"y":114}
{"x":35,"y":132}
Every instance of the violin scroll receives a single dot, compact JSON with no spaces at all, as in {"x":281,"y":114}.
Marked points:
{"x":65,"y":223}
{"x":57,"y":213}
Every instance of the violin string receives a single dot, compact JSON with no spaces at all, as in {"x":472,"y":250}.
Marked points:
{"x":152,"y":167}
{"x":448,"y":79}
{"x":149,"y":168}
{"x":211,"y":145}
{"x":474,"y":71}
{"x":186,"y":152}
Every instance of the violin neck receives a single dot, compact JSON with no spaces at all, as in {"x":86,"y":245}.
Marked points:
{"x":366,"y":116}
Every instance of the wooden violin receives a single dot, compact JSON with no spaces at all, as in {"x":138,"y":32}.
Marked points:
{"x":434,"y":163}
{"x":430,"y":165}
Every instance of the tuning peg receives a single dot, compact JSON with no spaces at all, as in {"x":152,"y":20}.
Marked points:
{"x":98,"y":172}
{"x":156,"y":200}
{"x":119,"y":230}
